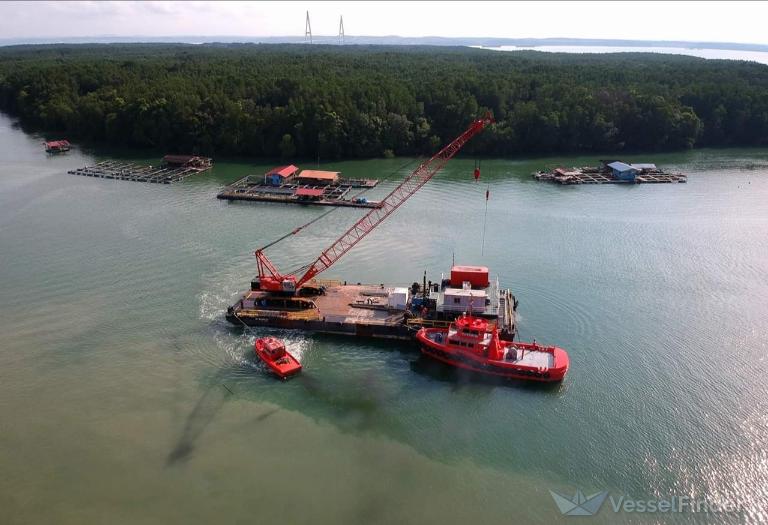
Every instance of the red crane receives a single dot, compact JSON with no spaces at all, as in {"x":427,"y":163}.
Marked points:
{"x":270,"y":279}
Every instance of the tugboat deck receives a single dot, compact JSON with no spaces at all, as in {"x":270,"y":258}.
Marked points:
{"x":534,"y":358}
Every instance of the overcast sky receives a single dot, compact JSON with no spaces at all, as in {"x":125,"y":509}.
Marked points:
{"x":692,"y":21}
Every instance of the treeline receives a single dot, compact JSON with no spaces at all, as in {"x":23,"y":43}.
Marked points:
{"x":368,"y":101}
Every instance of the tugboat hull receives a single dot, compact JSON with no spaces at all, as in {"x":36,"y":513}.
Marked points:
{"x":524,"y":361}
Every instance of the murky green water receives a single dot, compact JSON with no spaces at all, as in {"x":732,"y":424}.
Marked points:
{"x":114,"y":355}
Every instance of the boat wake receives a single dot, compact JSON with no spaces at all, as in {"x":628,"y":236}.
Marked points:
{"x":237,"y":349}
{"x":222,"y":288}
{"x":236,"y":346}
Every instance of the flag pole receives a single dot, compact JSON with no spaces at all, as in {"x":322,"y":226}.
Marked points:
{"x":485,"y":218}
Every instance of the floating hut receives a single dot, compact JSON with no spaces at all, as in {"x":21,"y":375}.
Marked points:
{"x":192,"y":162}
{"x":280,"y":175}
{"x":57,"y":146}
{"x":318,"y":177}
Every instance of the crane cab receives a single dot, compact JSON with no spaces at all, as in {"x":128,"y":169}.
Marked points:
{"x":268,"y":283}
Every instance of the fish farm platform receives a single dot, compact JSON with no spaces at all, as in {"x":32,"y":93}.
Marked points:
{"x":600,"y":176}
{"x":117,"y":170}
{"x":360,"y":310}
{"x":252,"y":188}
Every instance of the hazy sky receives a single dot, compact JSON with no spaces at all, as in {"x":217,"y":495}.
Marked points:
{"x":693,"y":21}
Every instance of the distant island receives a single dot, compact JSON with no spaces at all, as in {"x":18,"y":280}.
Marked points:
{"x":392,"y":40}
{"x":362,"y":101}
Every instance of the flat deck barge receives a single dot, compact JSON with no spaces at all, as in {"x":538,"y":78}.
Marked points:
{"x":339,"y":193}
{"x":377,"y":311}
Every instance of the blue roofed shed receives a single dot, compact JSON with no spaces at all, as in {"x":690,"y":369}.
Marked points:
{"x":623,"y":171}
{"x":280,"y":175}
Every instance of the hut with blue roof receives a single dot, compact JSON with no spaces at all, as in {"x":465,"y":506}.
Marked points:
{"x":623,"y":171}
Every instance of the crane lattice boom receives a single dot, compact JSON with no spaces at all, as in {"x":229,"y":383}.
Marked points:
{"x":370,"y":220}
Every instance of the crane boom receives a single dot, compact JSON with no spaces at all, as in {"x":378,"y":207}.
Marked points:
{"x":370,"y":220}
{"x":391,"y":202}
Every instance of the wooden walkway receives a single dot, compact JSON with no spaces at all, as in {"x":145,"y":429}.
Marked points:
{"x":118,"y":170}
{"x":661,"y":178}
{"x":604,"y":178}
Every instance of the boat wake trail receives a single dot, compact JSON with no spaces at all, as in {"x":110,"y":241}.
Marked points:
{"x":237,"y":349}
{"x":222,"y":288}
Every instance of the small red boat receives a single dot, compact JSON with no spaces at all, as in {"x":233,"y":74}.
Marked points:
{"x":272,"y":351}
{"x":471,"y":343}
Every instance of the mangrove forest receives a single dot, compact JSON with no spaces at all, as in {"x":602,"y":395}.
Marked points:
{"x":288,"y":100}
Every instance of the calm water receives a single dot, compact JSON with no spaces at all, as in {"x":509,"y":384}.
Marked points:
{"x":126,"y":398}
{"x":725,"y":54}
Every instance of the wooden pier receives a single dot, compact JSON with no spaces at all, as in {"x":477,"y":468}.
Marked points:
{"x":119,"y":170}
{"x":253,"y":188}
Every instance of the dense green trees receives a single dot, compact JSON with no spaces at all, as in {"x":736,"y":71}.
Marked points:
{"x":363,"y":101}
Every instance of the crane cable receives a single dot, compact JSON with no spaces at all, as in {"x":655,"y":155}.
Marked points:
{"x":299,"y":228}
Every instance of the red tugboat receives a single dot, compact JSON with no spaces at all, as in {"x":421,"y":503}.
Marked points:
{"x":471,"y":343}
{"x":272,"y":351}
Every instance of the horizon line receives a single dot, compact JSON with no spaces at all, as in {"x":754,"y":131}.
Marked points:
{"x":494,"y":41}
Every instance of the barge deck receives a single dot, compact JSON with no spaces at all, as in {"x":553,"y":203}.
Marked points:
{"x":362,"y":310}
